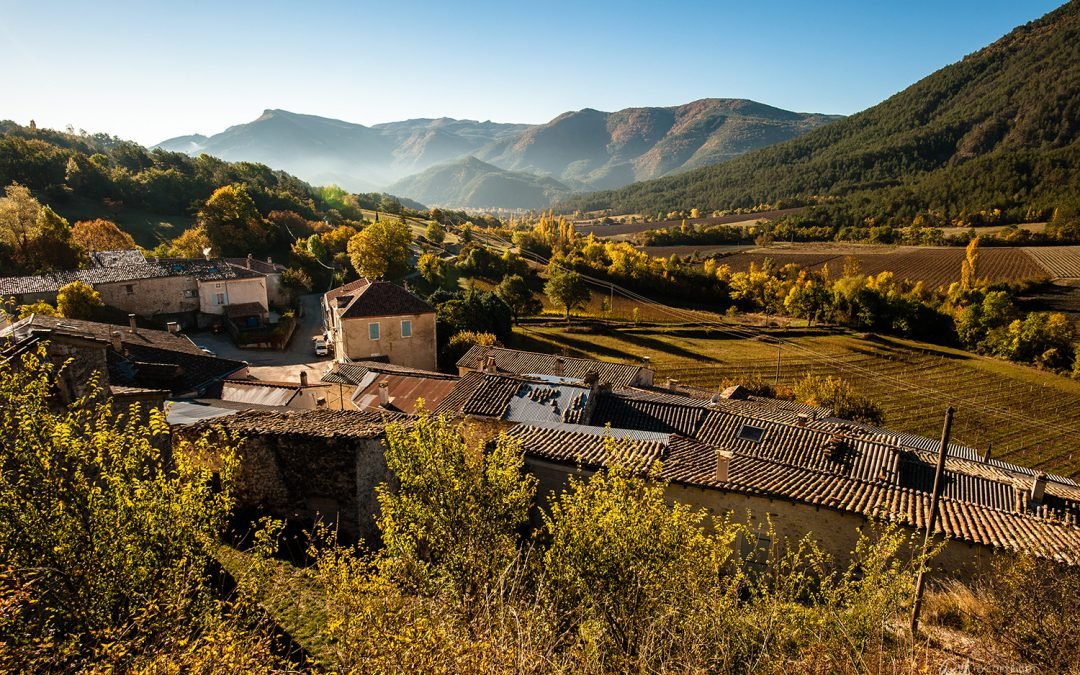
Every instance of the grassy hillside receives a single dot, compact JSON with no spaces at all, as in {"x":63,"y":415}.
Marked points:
{"x":997,"y":129}
{"x":471,"y":183}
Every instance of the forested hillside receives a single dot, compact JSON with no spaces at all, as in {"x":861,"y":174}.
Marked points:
{"x":997,"y":130}
{"x":471,"y":183}
{"x":153,"y":194}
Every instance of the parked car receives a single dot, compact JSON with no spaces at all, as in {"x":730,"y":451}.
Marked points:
{"x":322,"y":348}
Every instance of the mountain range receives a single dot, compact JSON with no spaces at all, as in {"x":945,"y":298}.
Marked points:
{"x":581,"y":150}
{"x":999,"y":129}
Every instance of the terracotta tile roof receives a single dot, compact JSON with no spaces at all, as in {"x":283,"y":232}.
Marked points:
{"x":517,"y":362}
{"x":363,"y":298}
{"x":257,"y":265}
{"x":102,"y":332}
{"x":404,"y":390}
{"x":355,"y":371}
{"x":116,"y":258}
{"x":590,"y":446}
{"x":309,"y":423}
{"x":647,"y":412}
{"x":180,"y":372}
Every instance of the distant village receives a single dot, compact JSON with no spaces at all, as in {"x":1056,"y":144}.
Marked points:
{"x":314,"y":443}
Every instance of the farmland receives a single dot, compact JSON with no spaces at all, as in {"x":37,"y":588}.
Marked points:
{"x":1028,"y":415}
{"x":936,"y":267}
{"x":635,"y":228}
{"x":1060,"y":262}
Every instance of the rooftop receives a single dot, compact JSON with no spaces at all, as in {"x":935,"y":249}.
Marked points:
{"x":364,"y":298}
{"x":517,"y":362}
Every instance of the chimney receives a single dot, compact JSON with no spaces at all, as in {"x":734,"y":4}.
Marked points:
{"x":592,"y":379}
{"x":269,"y":260}
{"x":250,"y":259}
{"x":801,"y":419}
{"x":560,"y":366}
{"x":645,"y":361}
{"x":673,"y":385}
{"x":117,"y":343}
{"x":986,"y":455}
{"x":723,"y":465}
{"x":384,"y":393}
{"x":1038,"y":488}
{"x":303,"y":378}
{"x":173,"y":326}
{"x":131,"y":324}
{"x":489,"y":364}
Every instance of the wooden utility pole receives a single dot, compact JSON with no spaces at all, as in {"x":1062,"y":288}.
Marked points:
{"x":920,"y":582}
{"x":776,"y":381}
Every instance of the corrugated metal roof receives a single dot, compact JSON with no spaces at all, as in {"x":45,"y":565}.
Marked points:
{"x":259,"y":393}
{"x":404,"y":391}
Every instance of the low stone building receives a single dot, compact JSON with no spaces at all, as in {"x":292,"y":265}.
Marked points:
{"x":189,"y":291}
{"x":380,"y":321}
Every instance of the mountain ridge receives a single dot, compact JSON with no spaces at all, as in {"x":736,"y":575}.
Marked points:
{"x":472,"y":183}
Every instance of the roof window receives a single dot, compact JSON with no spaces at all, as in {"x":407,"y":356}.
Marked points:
{"x":750,"y":433}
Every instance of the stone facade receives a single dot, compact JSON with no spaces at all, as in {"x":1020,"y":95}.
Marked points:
{"x":353,"y":339}
{"x":160,"y":297}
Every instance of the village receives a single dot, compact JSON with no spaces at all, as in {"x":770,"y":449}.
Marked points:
{"x":315,"y":441}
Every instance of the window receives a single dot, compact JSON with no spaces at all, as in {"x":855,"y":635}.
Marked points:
{"x":373,"y":330}
{"x":749,"y":433}
{"x":189,"y":293}
{"x":406,"y":328}
{"x":219,"y":298}
{"x":129,"y":289}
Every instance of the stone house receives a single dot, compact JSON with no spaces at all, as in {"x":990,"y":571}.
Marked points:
{"x":276,"y":294}
{"x":380,"y":321}
{"x":190,"y":291}
{"x":363,"y":385}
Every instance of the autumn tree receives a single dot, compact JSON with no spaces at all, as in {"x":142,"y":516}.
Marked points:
{"x":100,"y":235}
{"x":78,"y":300}
{"x":515,"y":292}
{"x":381,"y":250}
{"x":432,"y":268}
{"x":969,"y":268}
{"x":33,"y":238}
{"x":106,"y":540}
{"x":567,"y":289}
{"x":452,"y":521}
{"x":232,"y":223}
{"x":193,"y":242}
{"x":435,"y":233}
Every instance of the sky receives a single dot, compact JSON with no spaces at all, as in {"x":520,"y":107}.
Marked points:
{"x":149,"y":70}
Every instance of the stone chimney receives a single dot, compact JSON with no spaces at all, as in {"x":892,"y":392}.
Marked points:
{"x":802,"y":419}
{"x":592,"y":379}
{"x":173,"y":327}
{"x":673,"y":385}
{"x":250,"y":260}
{"x":723,"y":465}
{"x":1038,"y":488}
{"x":560,"y":366}
{"x":117,"y":343}
{"x":303,"y":378}
{"x":131,"y":324}
{"x":384,"y":393}
{"x":489,"y":364}
{"x":646,"y":362}
{"x":269,"y":260}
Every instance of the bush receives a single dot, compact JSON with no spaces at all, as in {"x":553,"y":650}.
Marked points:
{"x":846,"y":403}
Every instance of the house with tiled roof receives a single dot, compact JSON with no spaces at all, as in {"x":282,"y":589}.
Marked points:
{"x":519,"y":362}
{"x":380,"y":321}
{"x":186,"y":290}
{"x":372,"y":385}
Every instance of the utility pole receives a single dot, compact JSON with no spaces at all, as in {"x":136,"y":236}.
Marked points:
{"x":920,"y":582}
{"x":776,"y":381}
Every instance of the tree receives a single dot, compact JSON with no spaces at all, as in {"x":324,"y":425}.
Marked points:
{"x":39,"y":307}
{"x":452,"y":521}
{"x":567,"y":288}
{"x":233,"y":223}
{"x":78,"y":301}
{"x":381,"y":250}
{"x":515,"y":292}
{"x":435,"y":232}
{"x":33,"y":237}
{"x":462,"y":341}
{"x":432,"y":268}
{"x":969,"y":269}
{"x":101,"y":235}
{"x":838,"y":394}
{"x":193,"y":242}
{"x":105,"y":540}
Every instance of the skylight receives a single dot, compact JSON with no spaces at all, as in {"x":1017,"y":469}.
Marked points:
{"x":750,"y":433}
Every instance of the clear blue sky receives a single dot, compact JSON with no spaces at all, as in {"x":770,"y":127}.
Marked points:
{"x":150,"y":70}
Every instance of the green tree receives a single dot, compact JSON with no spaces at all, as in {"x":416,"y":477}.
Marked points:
{"x":233,"y":223}
{"x":567,"y":289}
{"x":381,"y":250}
{"x":515,"y":292}
{"x":629,"y":565}
{"x":78,"y":300}
{"x":33,"y":237}
{"x":838,"y":394}
{"x":452,"y":521}
{"x":105,"y":539}
{"x":435,"y":232}
{"x":432,"y":269}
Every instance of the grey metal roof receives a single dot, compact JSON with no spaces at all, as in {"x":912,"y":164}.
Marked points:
{"x":118,"y":272}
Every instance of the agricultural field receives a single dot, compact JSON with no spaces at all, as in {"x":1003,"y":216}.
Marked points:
{"x":1029,"y":416}
{"x":936,"y":267}
{"x":634,"y":228}
{"x":1060,"y":262}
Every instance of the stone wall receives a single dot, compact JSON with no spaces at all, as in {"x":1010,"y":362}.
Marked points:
{"x":417,"y":351}
{"x":150,"y":298}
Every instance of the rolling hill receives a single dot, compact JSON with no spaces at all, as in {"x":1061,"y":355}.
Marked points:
{"x":471,"y":183}
{"x":585,"y":149}
{"x":998,"y":129}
